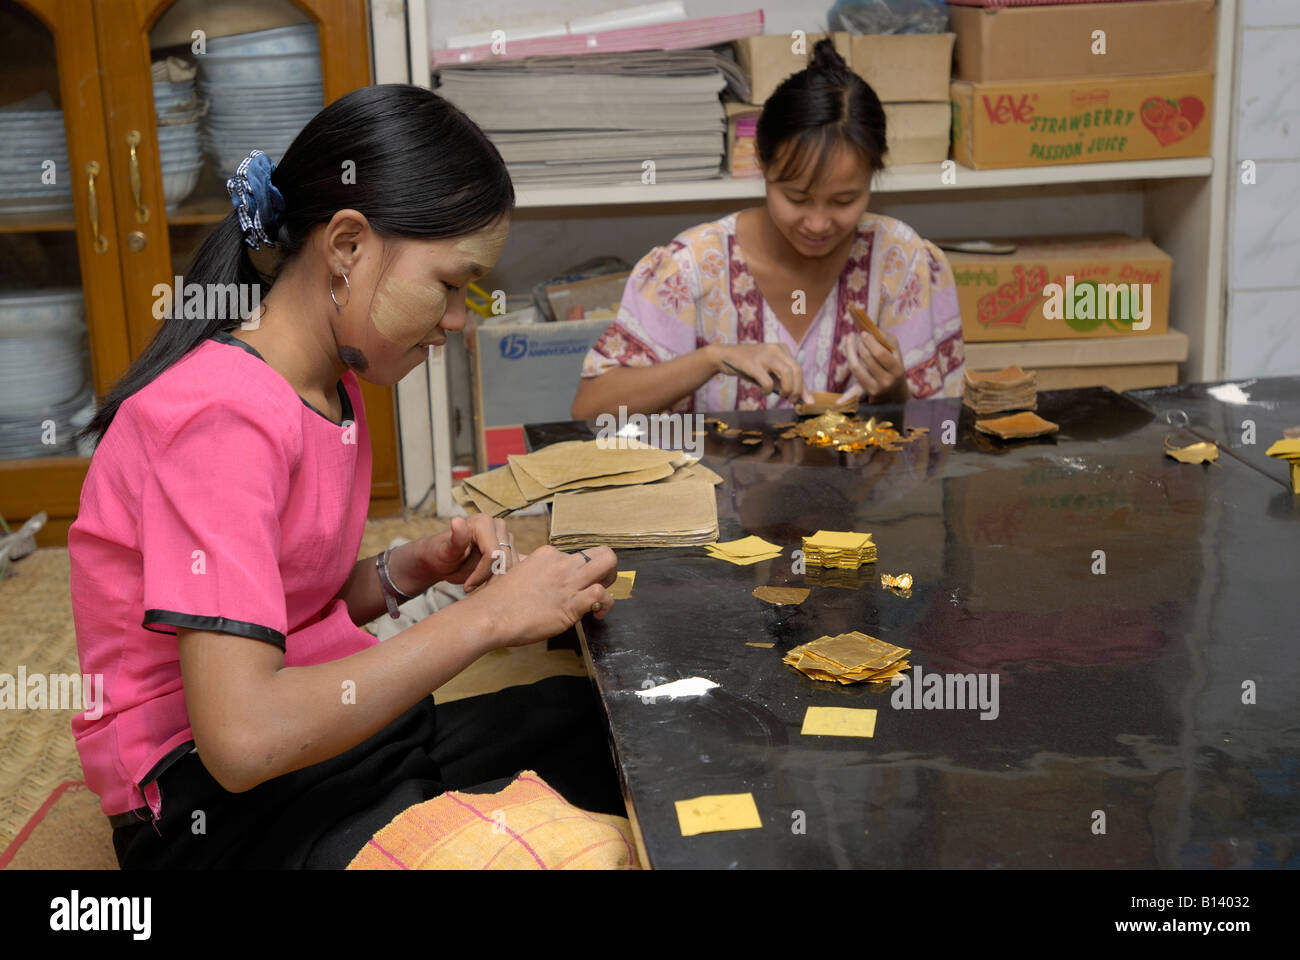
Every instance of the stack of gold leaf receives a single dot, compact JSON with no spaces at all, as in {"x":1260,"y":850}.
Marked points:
{"x":848,"y":658}
{"x":575,"y":465}
{"x":1007,"y":389}
{"x":848,"y":435}
{"x":743,"y":552}
{"x":839,"y":548}
{"x":1289,"y":450}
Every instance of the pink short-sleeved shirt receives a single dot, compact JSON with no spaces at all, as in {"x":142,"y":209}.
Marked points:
{"x":217,"y":500}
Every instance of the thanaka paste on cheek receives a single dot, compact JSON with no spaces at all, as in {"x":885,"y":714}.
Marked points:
{"x":406,"y":313}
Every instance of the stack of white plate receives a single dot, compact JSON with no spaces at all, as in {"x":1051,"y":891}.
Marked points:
{"x":29,"y":138}
{"x":263,"y":88}
{"x":180,"y":155}
{"x":44,"y":371}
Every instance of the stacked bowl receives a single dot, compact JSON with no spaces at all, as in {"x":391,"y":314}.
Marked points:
{"x":180,"y":157}
{"x":29,"y":138}
{"x":263,"y":88}
{"x":44,"y":372}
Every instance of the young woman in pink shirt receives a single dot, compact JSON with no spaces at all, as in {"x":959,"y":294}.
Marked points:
{"x":248,"y":719}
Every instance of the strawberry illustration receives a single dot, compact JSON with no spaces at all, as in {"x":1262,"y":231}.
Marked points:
{"x":1171,"y":120}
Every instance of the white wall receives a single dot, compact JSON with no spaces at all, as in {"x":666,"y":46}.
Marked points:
{"x":1263,"y":323}
{"x":450,"y":17}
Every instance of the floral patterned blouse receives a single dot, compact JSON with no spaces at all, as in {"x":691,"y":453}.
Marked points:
{"x":698,"y":290}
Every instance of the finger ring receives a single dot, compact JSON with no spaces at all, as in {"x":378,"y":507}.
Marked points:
{"x":595,"y":607}
{"x":502,"y":543}
{"x":584,"y":555}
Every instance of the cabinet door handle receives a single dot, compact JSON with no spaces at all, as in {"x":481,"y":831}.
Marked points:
{"x":141,"y":211}
{"x":100,"y":241}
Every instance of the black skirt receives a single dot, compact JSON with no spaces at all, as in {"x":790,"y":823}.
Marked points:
{"x":321,"y":816}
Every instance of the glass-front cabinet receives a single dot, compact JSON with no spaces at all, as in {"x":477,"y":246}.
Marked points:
{"x":120,"y":121}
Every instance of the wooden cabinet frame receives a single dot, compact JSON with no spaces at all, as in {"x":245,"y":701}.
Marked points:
{"x":106,"y":88}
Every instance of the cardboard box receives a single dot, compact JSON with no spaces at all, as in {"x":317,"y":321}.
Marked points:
{"x":1011,"y":297}
{"x":578,"y":300}
{"x":1058,"y":42}
{"x":905,"y":67}
{"x":918,"y":132}
{"x":525,"y":373}
{"x":1043,"y":123}
{"x":770,"y":58}
{"x":901,"y":68}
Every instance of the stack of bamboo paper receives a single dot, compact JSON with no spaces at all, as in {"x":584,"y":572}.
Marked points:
{"x":575,"y":465}
{"x":1008,"y":389}
{"x":650,"y":515}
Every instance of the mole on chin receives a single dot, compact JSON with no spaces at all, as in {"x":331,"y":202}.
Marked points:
{"x":354,"y":358}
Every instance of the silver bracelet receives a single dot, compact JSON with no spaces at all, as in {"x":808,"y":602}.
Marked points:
{"x":392,"y":596}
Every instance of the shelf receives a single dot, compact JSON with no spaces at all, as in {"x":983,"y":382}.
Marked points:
{"x":1168,"y":347}
{"x":36,"y":222}
{"x":902,"y":179}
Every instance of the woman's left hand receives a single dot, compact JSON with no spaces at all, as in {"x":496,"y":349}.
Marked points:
{"x":878,"y":371}
{"x":470,"y":553}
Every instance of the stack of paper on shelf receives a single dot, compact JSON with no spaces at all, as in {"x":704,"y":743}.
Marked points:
{"x":835,"y":548}
{"x":599,"y":118}
{"x":654,"y":515}
{"x":1008,"y":389}
{"x":575,"y":465}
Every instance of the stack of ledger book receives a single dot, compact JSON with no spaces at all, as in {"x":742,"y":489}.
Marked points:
{"x":599,"y":118}
{"x":562,"y":468}
{"x":1007,"y":389}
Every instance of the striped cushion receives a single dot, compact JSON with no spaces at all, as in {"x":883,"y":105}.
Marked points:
{"x":527,"y":826}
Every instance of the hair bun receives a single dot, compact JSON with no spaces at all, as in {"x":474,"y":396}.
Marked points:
{"x":826,"y":59}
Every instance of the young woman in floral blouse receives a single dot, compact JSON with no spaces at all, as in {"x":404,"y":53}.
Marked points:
{"x":752,"y":311}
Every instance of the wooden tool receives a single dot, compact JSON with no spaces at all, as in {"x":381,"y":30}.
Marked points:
{"x":866,"y":326}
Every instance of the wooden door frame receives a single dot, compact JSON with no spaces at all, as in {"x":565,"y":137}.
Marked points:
{"x":53,"y":484}
{"x":123,"y":29}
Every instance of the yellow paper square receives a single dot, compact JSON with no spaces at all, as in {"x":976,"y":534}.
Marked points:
{"x":750,"y":546}
{"x":712,"y":814}
{"x":839,"y":722}
{"x":833,"y":540}
{"x":622,"y":587}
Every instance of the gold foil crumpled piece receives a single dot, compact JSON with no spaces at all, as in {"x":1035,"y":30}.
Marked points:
{"x":901,"y":584}
{"x":850,"y":435}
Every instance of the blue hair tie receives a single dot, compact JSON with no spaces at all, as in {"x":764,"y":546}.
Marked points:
{"x":253,"y":195}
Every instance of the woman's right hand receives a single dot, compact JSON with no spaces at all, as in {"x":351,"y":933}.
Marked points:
{"x":771,"y":365}
{"x":547,"y":592}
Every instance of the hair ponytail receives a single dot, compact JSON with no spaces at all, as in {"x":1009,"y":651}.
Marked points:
{"x":423,"y":170}
{"x":823,"y":106}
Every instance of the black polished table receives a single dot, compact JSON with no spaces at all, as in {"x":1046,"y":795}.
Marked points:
{"x":1123,"y":735}
{"x":1243,"y":417}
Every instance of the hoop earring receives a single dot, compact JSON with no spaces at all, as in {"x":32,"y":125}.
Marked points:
{"x":347,"y":285}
